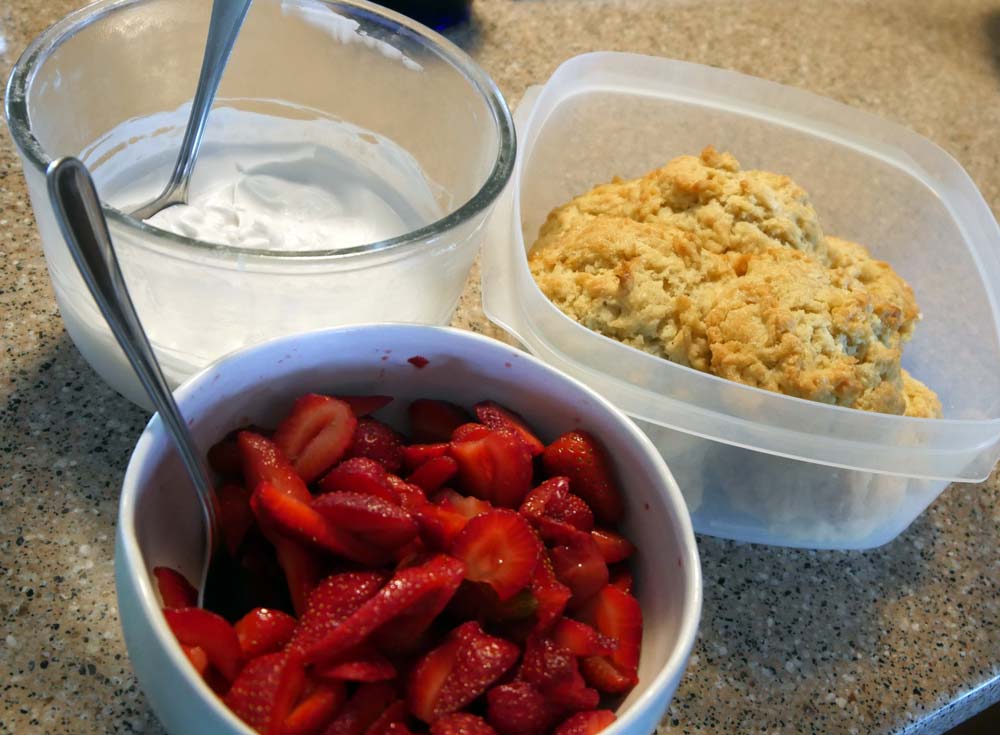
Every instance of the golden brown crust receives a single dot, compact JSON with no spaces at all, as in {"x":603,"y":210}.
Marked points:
{"x":728,"y":271}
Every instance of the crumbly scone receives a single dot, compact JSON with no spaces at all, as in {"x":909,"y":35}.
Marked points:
{"x":729,"y":272}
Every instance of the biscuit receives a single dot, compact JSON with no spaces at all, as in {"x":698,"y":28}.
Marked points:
{"x":729,"y":272}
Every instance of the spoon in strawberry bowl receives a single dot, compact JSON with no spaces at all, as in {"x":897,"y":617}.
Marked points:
{"x":78,"y":211}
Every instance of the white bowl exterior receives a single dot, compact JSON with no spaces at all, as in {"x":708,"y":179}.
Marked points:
{"x":257,"y":385}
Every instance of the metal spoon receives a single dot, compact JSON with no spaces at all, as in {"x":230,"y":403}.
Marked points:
{"x":224,"y":26}
{"x":81,"y":219}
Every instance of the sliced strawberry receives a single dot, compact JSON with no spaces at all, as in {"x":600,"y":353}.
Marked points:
{"x":498,"y":548}
{"x":316,"y":434}
{"x":302,"y":569}
{"x":234,"y":514}
{"x":551,"y":594}
{"x":360,"y":475}
{"x":578,"y":456}
{"x":224,"y":458}
{"x":461,"y":723}
{"x":439,"y":578}
{"x":301,"y":522}
{"x":433,"y":421}
{"x":496,"y":467}
{"x":387,"y":722}
{"x":410,"y":495}
{"x":263,"y":630}
{"x":415,"y":455}
{"x":553,"y":670}
{"x":458,"y":671}
{"x":363,"y":709}
{"x":616,"y":614}
{"x":622,"y":578}
{"x":467,"y":505}
{"x":266,"y":690}
{"x":518,"y":708}
{"x":364,"y":405}
{"x":439,"y":525}
{"x":433,"y":473}
{"x":499,"y":418}
{"x":586,"y":723}
{"x":580,"y":566}
{"x":378,"y":441}
{"x":363,"y":663}
{"x":478,"y":601}
{"x":370,"y":519}
{"x":263,"y":460}
{"x":613,"y":546}
{"x":198,"y":658}
{"x":557,"y":515}
{"x":193,"y":626}
{"x":582,"y":640}
{"x":334,"y":600}
{"x":469,"y":432}
{"x":316,"y":709}
{"x":175,"y":590}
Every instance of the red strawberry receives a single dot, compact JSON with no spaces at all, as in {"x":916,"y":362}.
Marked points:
{"x":363,"y":709}
{"x":458,"y":671}
{"x":496,"y":467}
{"x":198,"y":658}
{"x":439,"y":525}
{"x":616,"y":614}
{"x":461,"y":723}
{"x":586,"y":723}
{"x":334,"y":600}
{"x":467,"y":505}
{"x":499,"y":418}
{"x":469,"y":432}
{"x":302,"y":569}
{"x":498,"y":548}
{"x":578,"y":456}
{"x":551,"y":594}
{"x":316,"y":709}
{"x":518,"y":709}
{"x":582,"y":640}
{"x":263,"y":460}
{"x":410,"y":495}
{"x":370,"y":519}
{"x":393,"y":716}
{"x":415,"y":455}
{"x":433,"y":421}
{"x":175,"y":590}
{"x":360,"y":475}
{"x":378,"y":441}
{"x":234,"y":515}
{"x":613,"y":547}
{"x":364,"y":405}
{"x":363,"y":663}
{"x":554,"y":671}
{"x":301,"y":522}
{"x":266,"y":691}
{"x":398,"y":600}
{"x":478,"y":601}
{"x":580,"y":566}
{"x":622,"y":579}
{"x":193,"y":626}
{"x":556,"y":514}
{"x":316,"y":434}
{"x":433,"y":473}
{"x":263,"y":630}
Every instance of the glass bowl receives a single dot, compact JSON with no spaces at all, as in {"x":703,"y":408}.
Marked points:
{"x":113,"y":82}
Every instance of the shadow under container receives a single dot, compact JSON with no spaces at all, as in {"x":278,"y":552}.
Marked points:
{"x":755,"y":465}
{"x":352,"y":62}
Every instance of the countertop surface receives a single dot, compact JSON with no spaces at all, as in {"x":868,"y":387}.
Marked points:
{"x":905,"y":638}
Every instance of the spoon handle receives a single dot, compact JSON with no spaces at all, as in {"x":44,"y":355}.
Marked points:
{"x":78,"y":211}
{"x":223,"y":28}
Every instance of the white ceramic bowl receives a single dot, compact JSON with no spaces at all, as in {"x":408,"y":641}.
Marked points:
{"x":159,"y":522}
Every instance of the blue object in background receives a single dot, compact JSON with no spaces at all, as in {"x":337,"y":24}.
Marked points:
{"x":438,"y":14}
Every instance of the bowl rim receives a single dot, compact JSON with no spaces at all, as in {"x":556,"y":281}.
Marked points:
{"x":42,"y":46}
{"x":129,"y":559}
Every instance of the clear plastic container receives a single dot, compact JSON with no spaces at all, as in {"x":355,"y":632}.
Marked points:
{"x":754,"y":465}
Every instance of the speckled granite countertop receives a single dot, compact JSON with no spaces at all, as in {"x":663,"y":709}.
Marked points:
{"x":905,"y":638}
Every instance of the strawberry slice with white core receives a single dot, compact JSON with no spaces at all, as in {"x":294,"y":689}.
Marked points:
{"x":316,"y":434}
{"x":496,"y":467}
{"x":498,"y":548}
